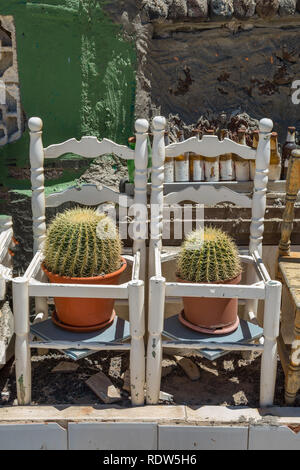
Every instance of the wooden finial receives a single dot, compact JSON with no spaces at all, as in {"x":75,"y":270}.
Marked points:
{"x":35,"y":124}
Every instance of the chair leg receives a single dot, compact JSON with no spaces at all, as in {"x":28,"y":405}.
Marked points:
{"x":271,"y":332}
{"x":137,"y":350}
{"x":251,"y":306}
{"x":22,"y":348}
{"x":292,"y":385}
{"x":154,"y":348}
{"x":41,"y":304}
{"x":292,"y":380}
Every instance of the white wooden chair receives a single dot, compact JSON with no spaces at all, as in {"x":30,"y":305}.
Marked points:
{"x":34,"y":284}
{"x":6,"y":244}
{"x":258,"y":284}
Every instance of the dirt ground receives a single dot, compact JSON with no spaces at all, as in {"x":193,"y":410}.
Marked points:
{"x":230,"y":380}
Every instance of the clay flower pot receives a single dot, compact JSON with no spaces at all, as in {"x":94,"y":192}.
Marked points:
{"x":80,"y":314}
{"x":211,"y":315}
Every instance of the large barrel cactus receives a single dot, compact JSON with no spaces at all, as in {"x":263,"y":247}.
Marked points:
{"x":82,"y":243}
{"x":208,"y":255}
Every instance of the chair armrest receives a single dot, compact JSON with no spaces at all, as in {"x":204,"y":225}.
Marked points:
{"x":35,"y":266}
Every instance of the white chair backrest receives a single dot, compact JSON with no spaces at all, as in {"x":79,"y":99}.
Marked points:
{"x":87,"y":147}
{"x":208,"y":193}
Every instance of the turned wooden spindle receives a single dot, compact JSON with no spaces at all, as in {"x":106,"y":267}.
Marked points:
{"x":38,"y":205}
{"x":140,"y":192}
{"x":259,"y":200}
{"x":157,"y":188}
{"x":292,"y":189}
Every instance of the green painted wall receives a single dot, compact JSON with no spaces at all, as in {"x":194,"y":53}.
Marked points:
{"x":76,"y":72}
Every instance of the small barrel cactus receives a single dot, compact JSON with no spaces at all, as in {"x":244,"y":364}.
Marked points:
{"x":82,"y":243}
{"x":208,"y":255}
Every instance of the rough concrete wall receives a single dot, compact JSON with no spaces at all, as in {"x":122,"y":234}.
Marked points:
{"x":233,"y":67}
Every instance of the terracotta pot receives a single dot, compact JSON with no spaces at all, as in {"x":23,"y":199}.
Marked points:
{"x":211,"y":315}
{"x":80,"y":314}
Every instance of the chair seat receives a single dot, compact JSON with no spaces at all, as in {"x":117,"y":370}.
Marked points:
{"x":246,"y":333}
{"x":290,"y":271}
{"x":117,"y":332}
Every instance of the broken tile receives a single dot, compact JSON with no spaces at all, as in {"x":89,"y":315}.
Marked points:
{"x":103,"y":388}
{"x":189,"y":367}
{"x":65,"y":367}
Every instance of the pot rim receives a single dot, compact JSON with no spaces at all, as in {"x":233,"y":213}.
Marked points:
{"x":100,"y":276}
{"x":228,"y":281}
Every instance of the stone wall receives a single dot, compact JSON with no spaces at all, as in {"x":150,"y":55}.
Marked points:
{"x":231,"y":58}
{"x":188,"y":10}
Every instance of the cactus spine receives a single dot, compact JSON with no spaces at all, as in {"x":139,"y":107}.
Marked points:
{"x":82,"y":243}
{"x":208,"y":255}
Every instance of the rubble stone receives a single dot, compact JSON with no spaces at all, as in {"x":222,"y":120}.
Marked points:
{"x":197,"y":8}
{"x":155,"y":9}
{"x":222,"y":7}
{"x":160,"y":10}
{"x":244,"y":8}
{"x":178,"y":9}
{"x":287,"y":7}
{"x":267,"y":8}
